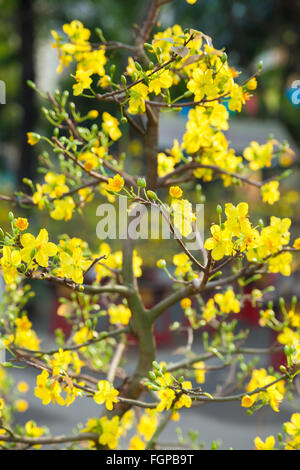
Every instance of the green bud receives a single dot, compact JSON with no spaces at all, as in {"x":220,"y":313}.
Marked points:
{"x":100,"y":34}
{"x":187,"y":94}
{"x":161,"y":264}
{"x":151,"y":65}
{"x":156,"y":365}
{"x":141,"y":182}
{"x":219,"y":209}
{"x":123,"y":80}
{"x":152,"y":375}
{"x":11,"y":216}
{"x":260,"y":65}
{"x":261,"y":223}
{"x":148,"y":46}
{"x":138,"y":66}
{"x":31,"y":84}
{"x":224,"y":57}
{"x":281,"y":302}
{"x":7,"y":364}
{"x":152,"y":195}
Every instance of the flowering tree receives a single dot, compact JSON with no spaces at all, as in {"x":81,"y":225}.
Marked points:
{"x":172,"y":70}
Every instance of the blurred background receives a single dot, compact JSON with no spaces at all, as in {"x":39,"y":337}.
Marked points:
{"x":249,"y":30}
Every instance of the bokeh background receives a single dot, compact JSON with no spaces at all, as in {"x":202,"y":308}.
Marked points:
{"x":250,"y":31}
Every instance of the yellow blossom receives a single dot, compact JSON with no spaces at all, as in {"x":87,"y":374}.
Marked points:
{"x":138,"y":95}
{"x":269,"y":443}
{"x":110,"y":125}
{"x":83,"y":79}
{"x":115,"y":184}
{"x":21,"y":405}
{"x":106,"y":394}
{"x":220,"y":243}
{"x":48,"y":390}
{"x":199,"y":371}
{"x":175,"y":191}
{"x":38,"y":248}
{"x":111,"y":431}
{"x":270,"y":192}
{"x":21,"y":223}
{"x":10,"y":262}
{"x":227,"y":302}
{"x":33,"y":138}
{"x":136,"y":443}
{"x":119,"y":314}
{"x":23,"y":387}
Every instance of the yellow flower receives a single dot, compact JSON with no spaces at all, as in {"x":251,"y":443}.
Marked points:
{"x":259,"y":156}
{"x":119,"y":314}
{"x":76,"y":31}
{"x":38,"y":248}
{"x":269,"y":443}
{"x":32,"y":430}
{"x":186,"y":303}
{"x":220,"y":243}
{"x":55,"y":184}
{"x":21,"y":223}
{"x":136,"y":443}
{"x":110,"y":126}
{"x":48,"y":390}
{"x":83,"y":79}
{"x":63,"y":209}
{"x":10,"y":262}
{"x":138,"y":94}
{"x":297,"y":244}
{"x":147,"y":424}
{"x":111,"y":431}
{"x":23,"y":387}
{"x":281,"y":264}
{"x":248,"y":400}
{"x":183,"y":264}
{"x":236,"y":217}
{"x":93,"y":114}
{"x":227,"y":302}
{"x":159,"y":81}
{"x":21,"y":405}
{"x":199,"y":371}
{"x":209,"y":311}
{"x":106,"y":394}
{"x":73,"y":266}
{"x":33,"y":138}
{"x":175,"y":191}
{"x":165,"y":164}
{"x":25,"y":337}
{"x":127,"y":421}
{"x":166,"y":397}
{"x":83,"y":335}
{"x":183,"y":216}
{"x":293,"y":427}
{"x":191,"y":2}
{"x":272,"y":394}
{"x":252,"y":84}
{"x":270,"y":192}
{"x":115,"y":184}
{"x":1,"y":406}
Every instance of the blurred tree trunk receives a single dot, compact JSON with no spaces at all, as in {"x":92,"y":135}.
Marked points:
{"x":27,"y":99}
